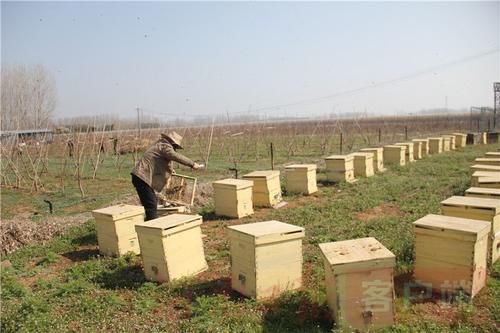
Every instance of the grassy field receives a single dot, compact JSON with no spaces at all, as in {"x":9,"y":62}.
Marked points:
{"x":66,"y":285}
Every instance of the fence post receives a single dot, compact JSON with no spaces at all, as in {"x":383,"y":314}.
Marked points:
{"x":379,"y":135}
{"x":272,"y":156}
{"x":406,"y":132}
{"x":341,"y":142}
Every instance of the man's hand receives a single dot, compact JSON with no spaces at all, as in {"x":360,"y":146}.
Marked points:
{"x":197,"y":166}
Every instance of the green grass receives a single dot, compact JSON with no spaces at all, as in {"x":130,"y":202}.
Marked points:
{"x":66,"y":285}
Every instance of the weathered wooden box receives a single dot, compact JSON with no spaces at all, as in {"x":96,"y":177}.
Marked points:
{"x":424,"y":143}
{"x":452,"y":141}
{"x":446,"y":142}
{"x":483,"y":192}
{"x":488,"y":161}
{"x":483,"y":139}
{"x":492,"y":137}
{"x":378,"y":158}
{"x":266,"y":258}
{"x":266,"y":187}
{"x":363,"y":164}
{"x":301,"y":178}
{"x":417,"y":150}
{"x":435,"y":145}
{"x":395,"y":155}
{"x":488,"y":182}
{"x":359,"y":283}
{"x":409,"y":158}
{"x":460,"y":140}
{"x":484,"y":209}
{"x":233,"y":197}
{"x":340,"y":168}
{"x":482,"y":175}
{"x":494,"y":154}
{"x":451,"y":254}
{"x":485,"y":167}
{"x":115,"y":227}
{"x":171,"y":247}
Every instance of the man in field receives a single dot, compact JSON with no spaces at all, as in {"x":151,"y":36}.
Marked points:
{"x":152,"y":171}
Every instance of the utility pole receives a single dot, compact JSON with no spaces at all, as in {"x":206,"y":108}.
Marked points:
{"x":496,"y":102}
{"x":138,"y":122}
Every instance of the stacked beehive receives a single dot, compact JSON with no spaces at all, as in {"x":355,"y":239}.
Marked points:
{"x":378,"y":158}
{"x":115,"y":227}
{"x":435,"y":145}
{"x":395,"y":155}
{"x":266,"y":187}
{"x":460,"y":140}
{"x":484,"y":209}
{"x":301,"y":178}
{"x":483,"y":192}
{"x":363,"y":164}
{"x":359,"y":283}
{"x":408,"y":152}
{"x":340,"y":168}
{"x":171,"y":247}
{"x":424,"y":143}
{"x":233,"y":197}
{"x":266,"y":258}
{"x":450,"y":254}
{"x":446,"y":142}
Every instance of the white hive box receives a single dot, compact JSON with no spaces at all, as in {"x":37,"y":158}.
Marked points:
{"x":451,"y":253}
{"x":233,"y":197}
{"x":483,"y":138}
{"x":266,"y":187}
{"x":477,"y":175}
{"x":452,"y":141}
{"x":171,"y":247}
{"x":266,"y":258}
{"x":484,"y":209}
{"x":363,"y":164}
{"x":395,"y":155}
{"x":485,"y":167}
{"x":460,"y":140}
{"x":446,"y":143}
{"x":359,"y":283}
{"x":482,"y":192}
{"x":115,"y":227}
{"x":488,"y":161}
{"x":435,"y":145}
{"x":301,"y":178}
{"x":493,"y":154}
{"x":340,"y":168}
{"x":378,"y":158}
{"x":409,"y":151}
{"x":424,"y":146}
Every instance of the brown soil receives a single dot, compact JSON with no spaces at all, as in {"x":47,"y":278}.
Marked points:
{"x":382,"y":210}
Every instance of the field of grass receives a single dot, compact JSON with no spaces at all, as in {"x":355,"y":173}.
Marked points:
{"x":66,"y":285}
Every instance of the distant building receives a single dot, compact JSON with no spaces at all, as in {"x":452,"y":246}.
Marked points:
{"x":30,"y":134}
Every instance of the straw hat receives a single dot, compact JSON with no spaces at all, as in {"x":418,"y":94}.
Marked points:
{"x":174,"y":138}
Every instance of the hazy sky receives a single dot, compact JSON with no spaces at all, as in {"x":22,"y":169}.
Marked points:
{"x":212,"y":58}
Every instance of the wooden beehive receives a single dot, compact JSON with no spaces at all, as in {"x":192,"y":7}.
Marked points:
{"x":460,"y":139}
{"x":435,"y":145}
{"x":378,"y":158}
{"x":483,"y":139}
{"x":266,"y":187}
{"x":476,"y":175}
{"x":484,"y":209}
{"x":301,"y":178}
{"x":266,"y":258}
{"x":359,"y":283}
{"x":340,"y":168}
{"x":446,"y":142}
{"x":417,"y":150}
{"x":485,"y":167}
{"x":452,"y":141}
{"x":488,"y":182}
{"x":409,"y":158}
{"x":424,"y":147}
{"x":395,"y":155}
{"x":233,"y":197}
{"x":488,"y":161}
{"x":451,"y":254}
{"x":115,"y":227}
{"x":171,"y":247}
{"x":363,"y":164}
{"x":482,"y":192}
{"x":493,"y":154}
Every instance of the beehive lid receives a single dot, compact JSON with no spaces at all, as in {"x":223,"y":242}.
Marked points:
{"x":486,"y":166}
{"x":362,"y":155}
{"x":395,"y":147}
{"x":340,"y":157}
{"x":493,"y":154}
{"x":269,"y":231}
{"x":233,"y":183}
{"x":448,"y":225}
{"x":372,"y":149}
{"x":420,"y":140}
{"x":308,"y":167}
{"x":483,"y":190}
{"x":485,"y":174}
{"x":170,"y":223}
{"x":459,"y":134}
{"x":487,"y":159}
{"x":118,"y":212}
{"x":403,"y":144}
{"x":357,"y":255}
{"x":488,"y":203}
{"x":268,"y":174}
{"x":435,"y":138}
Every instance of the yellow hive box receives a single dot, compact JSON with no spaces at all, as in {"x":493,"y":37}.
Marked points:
{"x":266,"y":187}
{"x":483,"y":138}
{"x":266,"y":258}
{"x":424,"y":150}
{"x":488,"y":161}
{"x":340,"y":168}
{"x":417,"y":150}
{"x":359,"y":283}
{"x":488,"y":182}
{"x":115,"y":227}
{"x":363,"y":164}
{"x":435,"y":145}
{"x":301,"y":178}
{"x":171,"y":247}
{"x":484,"y":209}
{"x":450,"y":254}
{"x":460,"y":140}
{"x":394,"y":154}
{"x":452,"y":141}
{"x":476,"y":175}
{"x":409,"y":151}
{"x":233,"y":197}
{"x":446,"y":143}
{"x":378,"y":158}
{"x":493,"y":154}
{"x":485,"y":167}
{"x":481,"y":192}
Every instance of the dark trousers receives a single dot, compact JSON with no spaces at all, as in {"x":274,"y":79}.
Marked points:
{"x":147,"y":196}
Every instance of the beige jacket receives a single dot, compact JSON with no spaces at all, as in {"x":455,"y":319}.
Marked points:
{"x":156,"y":165}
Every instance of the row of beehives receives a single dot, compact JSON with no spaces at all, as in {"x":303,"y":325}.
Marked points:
{"x":237,"y":197}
